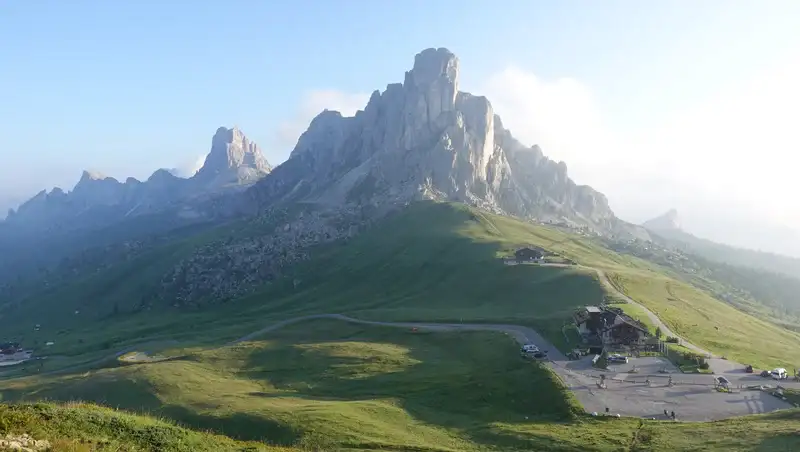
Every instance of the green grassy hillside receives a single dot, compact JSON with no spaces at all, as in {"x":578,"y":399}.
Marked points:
{"x":328,"y":380}
{"x":711,"y":324}
{"x":326,"y":385}
{"x":80,"y":427}
{"x":329,"y":385}
{"x":431,"y":262}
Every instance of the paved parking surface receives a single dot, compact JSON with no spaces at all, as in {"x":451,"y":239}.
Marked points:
{"x":646,"y":365}
{"x":692,"y":397}
{"x":689,"y":402}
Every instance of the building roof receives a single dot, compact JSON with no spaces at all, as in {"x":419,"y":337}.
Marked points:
{"x":629,"y":321}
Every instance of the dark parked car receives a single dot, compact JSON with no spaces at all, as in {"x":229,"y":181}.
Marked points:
{"x":617,"y":359}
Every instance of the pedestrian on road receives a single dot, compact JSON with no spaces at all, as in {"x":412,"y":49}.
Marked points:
{"x":666,"y":414}
{"x":673,"y":415}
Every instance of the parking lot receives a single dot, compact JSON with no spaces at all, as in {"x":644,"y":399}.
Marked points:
{"x":692,"y":397}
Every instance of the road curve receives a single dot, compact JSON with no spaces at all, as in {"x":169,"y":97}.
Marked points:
{"x":520,"y":333}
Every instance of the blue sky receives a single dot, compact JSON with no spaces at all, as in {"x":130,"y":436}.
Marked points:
{"x":128,"y":87}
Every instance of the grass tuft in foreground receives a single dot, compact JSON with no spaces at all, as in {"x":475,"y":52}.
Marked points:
{"x":81,"y":427}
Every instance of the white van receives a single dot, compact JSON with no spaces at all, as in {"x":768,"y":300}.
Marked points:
{"x":779,"y":374}
{"x":529,"y":348}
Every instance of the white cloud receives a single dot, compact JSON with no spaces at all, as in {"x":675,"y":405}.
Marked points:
{"x":560,"y":116}
{"x":189,"y":167}
{"x":313,"y":103}
{"x":733,"y":153}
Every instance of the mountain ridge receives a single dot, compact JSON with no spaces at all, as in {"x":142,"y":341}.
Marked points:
{"x":233,"y":161}
{"x":425,"y":139}
{"x":666,"y":230}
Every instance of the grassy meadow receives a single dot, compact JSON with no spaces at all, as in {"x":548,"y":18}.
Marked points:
{"x":330,"y":385}
{"x":712,"y":324}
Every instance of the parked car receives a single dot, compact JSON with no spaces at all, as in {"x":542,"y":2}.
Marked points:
{"x":529,"y":348}
{"x":748,"y":369}
{"x":765,"y":374}
{"x":779,"y":374}
{"x":617,"y":358}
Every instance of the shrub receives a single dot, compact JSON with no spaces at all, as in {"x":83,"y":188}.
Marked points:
{"x":672,"y":340}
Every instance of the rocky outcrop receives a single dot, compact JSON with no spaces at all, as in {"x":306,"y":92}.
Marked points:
{"x":426,"y":139}
{"x":235,"y":266}
{"x":24,"y":443}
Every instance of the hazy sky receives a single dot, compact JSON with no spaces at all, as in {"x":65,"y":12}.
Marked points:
{"x":692,"y":105}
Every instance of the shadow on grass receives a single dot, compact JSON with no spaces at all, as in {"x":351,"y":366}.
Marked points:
{"x":137,"y":395}
{"x":461,"y":382}
{"x":241,"y":426}
{"x":784,"y":442}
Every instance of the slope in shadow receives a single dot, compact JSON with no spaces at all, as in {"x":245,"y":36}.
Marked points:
{"x":460,"y":381}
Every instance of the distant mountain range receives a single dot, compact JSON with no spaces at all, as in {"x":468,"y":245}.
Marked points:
{"x":667,"y":229}
{"x":233,"y":163}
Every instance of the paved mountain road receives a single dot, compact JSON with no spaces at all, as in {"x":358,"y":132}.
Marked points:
{"x":522,"y":334}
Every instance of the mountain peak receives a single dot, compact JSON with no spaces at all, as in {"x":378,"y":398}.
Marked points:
{"x":423,"y":138}
{"x":432,"y":65}
{"x":670,"y":221}
{"x":91,"y":178}
{"x":91,"y":175}
{"x":232,"y":158}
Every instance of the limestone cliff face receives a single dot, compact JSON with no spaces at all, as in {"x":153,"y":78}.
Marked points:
{"x":426,"y":139}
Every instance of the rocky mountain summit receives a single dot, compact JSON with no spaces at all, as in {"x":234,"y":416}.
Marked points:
{"x":422,"y":139}
{"x":425,"y":139}
{"x":233,"y":163}
{"x":417,"y":140}
{"x":666,"y":222}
